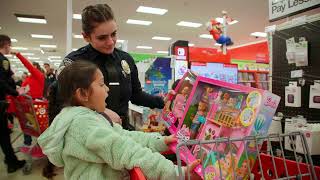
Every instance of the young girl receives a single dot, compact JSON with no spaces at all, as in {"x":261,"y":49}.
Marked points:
{"x":89,"y":145}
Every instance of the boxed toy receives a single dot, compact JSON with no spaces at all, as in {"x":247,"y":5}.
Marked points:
{"x":217,"y":109}
{"x":174,"y":109}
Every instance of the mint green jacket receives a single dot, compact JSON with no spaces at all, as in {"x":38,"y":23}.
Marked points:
{"x":88,"y":147}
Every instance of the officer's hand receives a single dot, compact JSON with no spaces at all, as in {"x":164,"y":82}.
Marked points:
{"x":113,"y":116}
{"x":170,"y":139}
{"x":169,"y":96}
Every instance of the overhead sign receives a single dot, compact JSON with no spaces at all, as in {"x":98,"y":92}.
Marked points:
{"x":283,"y":8}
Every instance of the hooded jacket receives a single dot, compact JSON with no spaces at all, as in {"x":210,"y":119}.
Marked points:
{"x":88,"y":147}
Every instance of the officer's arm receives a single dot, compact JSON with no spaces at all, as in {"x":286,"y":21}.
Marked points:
{"x":4,"y":85}
{"x":138,"y":96}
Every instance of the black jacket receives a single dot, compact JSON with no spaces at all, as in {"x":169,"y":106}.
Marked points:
{"x":7,"y":84}
{"x":121,"y":76}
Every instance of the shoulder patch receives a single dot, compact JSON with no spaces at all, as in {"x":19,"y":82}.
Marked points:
{"x":5,"y":64}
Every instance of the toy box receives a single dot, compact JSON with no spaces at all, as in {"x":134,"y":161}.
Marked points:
{"x":174,"y":108}
{"x":217,"y":109}
{"x":152,"y":121}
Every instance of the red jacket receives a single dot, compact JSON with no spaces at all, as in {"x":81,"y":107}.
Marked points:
{"x":35,"y":80}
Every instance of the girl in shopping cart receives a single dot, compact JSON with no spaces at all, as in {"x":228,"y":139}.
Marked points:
{"x":86,"y":142}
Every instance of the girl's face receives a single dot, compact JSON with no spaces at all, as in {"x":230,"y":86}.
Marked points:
{"x":98,"y":94}
{"x":103,"y":37}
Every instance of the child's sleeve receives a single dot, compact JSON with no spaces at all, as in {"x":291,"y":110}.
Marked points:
{"x":121,"y":152}
{"x":154,"y":141}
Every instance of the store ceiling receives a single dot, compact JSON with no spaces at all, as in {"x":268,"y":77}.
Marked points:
{"x":251,"y":14}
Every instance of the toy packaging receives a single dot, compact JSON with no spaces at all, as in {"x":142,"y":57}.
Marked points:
{"x":174,"y":108}
{"x":152,"y":121}
{"x":217,"y":109}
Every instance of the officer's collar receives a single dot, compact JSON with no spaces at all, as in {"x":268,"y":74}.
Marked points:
{"x":95,"y":52}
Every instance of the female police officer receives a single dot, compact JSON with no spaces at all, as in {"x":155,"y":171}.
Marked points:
{"x":118,"y":67}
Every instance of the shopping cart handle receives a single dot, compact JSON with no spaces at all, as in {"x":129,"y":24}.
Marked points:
{"x":136,"y":174}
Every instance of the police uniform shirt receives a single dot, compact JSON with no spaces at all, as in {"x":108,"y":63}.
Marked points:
{"x":7,"y":84}
{"x":120,"y":75}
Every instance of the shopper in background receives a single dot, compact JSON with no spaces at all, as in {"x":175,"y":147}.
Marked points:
{"x":121,"y":75}
{"x":6,"y":88}
{"x":34,"y":82}
{"x":50,"y":78}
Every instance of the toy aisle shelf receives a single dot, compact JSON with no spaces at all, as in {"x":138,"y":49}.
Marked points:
{"x":254,"y":78}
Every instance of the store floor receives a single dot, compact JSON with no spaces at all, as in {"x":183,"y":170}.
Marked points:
{"x":37,"y":165}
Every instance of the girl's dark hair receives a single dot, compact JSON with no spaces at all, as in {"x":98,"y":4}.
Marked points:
{"x":94,"y":15}
{"x":38,"y":66}
{"x":79,"y":74}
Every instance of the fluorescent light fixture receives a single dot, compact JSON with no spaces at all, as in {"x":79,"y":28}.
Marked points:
{"x":54,"y":60}
{"x":74,"y":49}
{"x":40,"y":62}
{"x":162,"y":52}
{"x":190,"y":44}
{"x":144,"y":47}
{"x":42,"y":36}
{"x":48,"y":46}
{"x":32,"y":20}
{"x":54,"y":57}
{"x":14,"y":40}
{"x":78,"y":36}
{"x":33,"y":58}
{"x":12,"y":65}
{"x":41,"y":51}
{"x":217,"y":44}
{"x":77,"y":16}
{"x":139,"y":22}
{"x":161,"y":38}
{"x":57,"y":64}
{"x":259,"y":34}
{"x":151,"y":10}
{"x":189,"y":24}
{"x":8,"y":55}
{"x":27,"y":54}
{"x":120,"y":41}
{"x":206,"y":36}
{"x":19,"y":48}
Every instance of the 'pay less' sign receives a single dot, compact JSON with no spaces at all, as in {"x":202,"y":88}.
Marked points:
{"x":283,"y":8}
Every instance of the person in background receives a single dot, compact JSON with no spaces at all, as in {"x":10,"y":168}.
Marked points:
{"x":7,"y":88}
{"x":50,"y":78}
{"x":35,"y":82}
{"x":22,"y":78}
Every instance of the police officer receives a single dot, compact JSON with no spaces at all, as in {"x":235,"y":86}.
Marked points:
{"x":118,"y":67}
{"x":7,"y":87}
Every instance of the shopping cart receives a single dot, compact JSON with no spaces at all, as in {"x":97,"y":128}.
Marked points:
{"x":263,"y":166}
{"x":33,"y":119}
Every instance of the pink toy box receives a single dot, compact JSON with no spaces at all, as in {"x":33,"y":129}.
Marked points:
{"x":217,"y":109}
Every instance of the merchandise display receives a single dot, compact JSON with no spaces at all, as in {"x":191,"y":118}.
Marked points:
{"x":293,"y":95}
{"x":314,"y":101}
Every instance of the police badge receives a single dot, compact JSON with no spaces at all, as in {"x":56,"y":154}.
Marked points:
{"x":125,"y":67}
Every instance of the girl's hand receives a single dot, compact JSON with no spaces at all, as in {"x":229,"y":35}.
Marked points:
{"x":113,"y":116}
{"x":170,"y":139}
{"x":189,"y":170}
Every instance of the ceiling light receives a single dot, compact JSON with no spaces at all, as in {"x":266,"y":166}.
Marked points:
{"x":161,"y":38}
{"x":27,"y":54}
{"x":57,"y":64}
{"x":41,"y":51}
{"x":19,"y":48}
{"x":55,"y":57}
{"x":151,"y":10}
{"x":162,"y":52}
{"x":217,"y":44}
{"x":33,"y":58}
{"x":42,"y":36}
{"x":190,"y":44}
{"x":14,"y":40}
{"x":31,"y":18}
{"x":54,"y":60}
{"x":78,"y":36}
{"x":206,"y":36}
{"x":74,"y":49}
{"x":139,"y":22}
{"x":48,"y":46}
{"x":144,"y":47}
{"x":8,"y":55}
{"x":77,"y":16}
{"x":120,"y":41}
{"x":189,"y":24}
{"x":259,"y":34}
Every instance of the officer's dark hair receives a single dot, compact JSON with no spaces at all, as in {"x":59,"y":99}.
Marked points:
{"x":78,"y":75}
{"x":94,"y":15}
{"x":4,"y":40}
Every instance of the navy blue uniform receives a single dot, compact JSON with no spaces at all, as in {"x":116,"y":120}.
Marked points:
{"x":121,"y":76}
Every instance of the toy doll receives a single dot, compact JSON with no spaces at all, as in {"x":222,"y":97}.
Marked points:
{"x":209,"y":95}
{"x":199,"y":118}
{"x":180,"y":102}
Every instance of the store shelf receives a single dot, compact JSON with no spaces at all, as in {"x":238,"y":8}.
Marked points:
{"x":262,"y":81}
{"x":251,"y":71}
{"x":246,"y":81}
